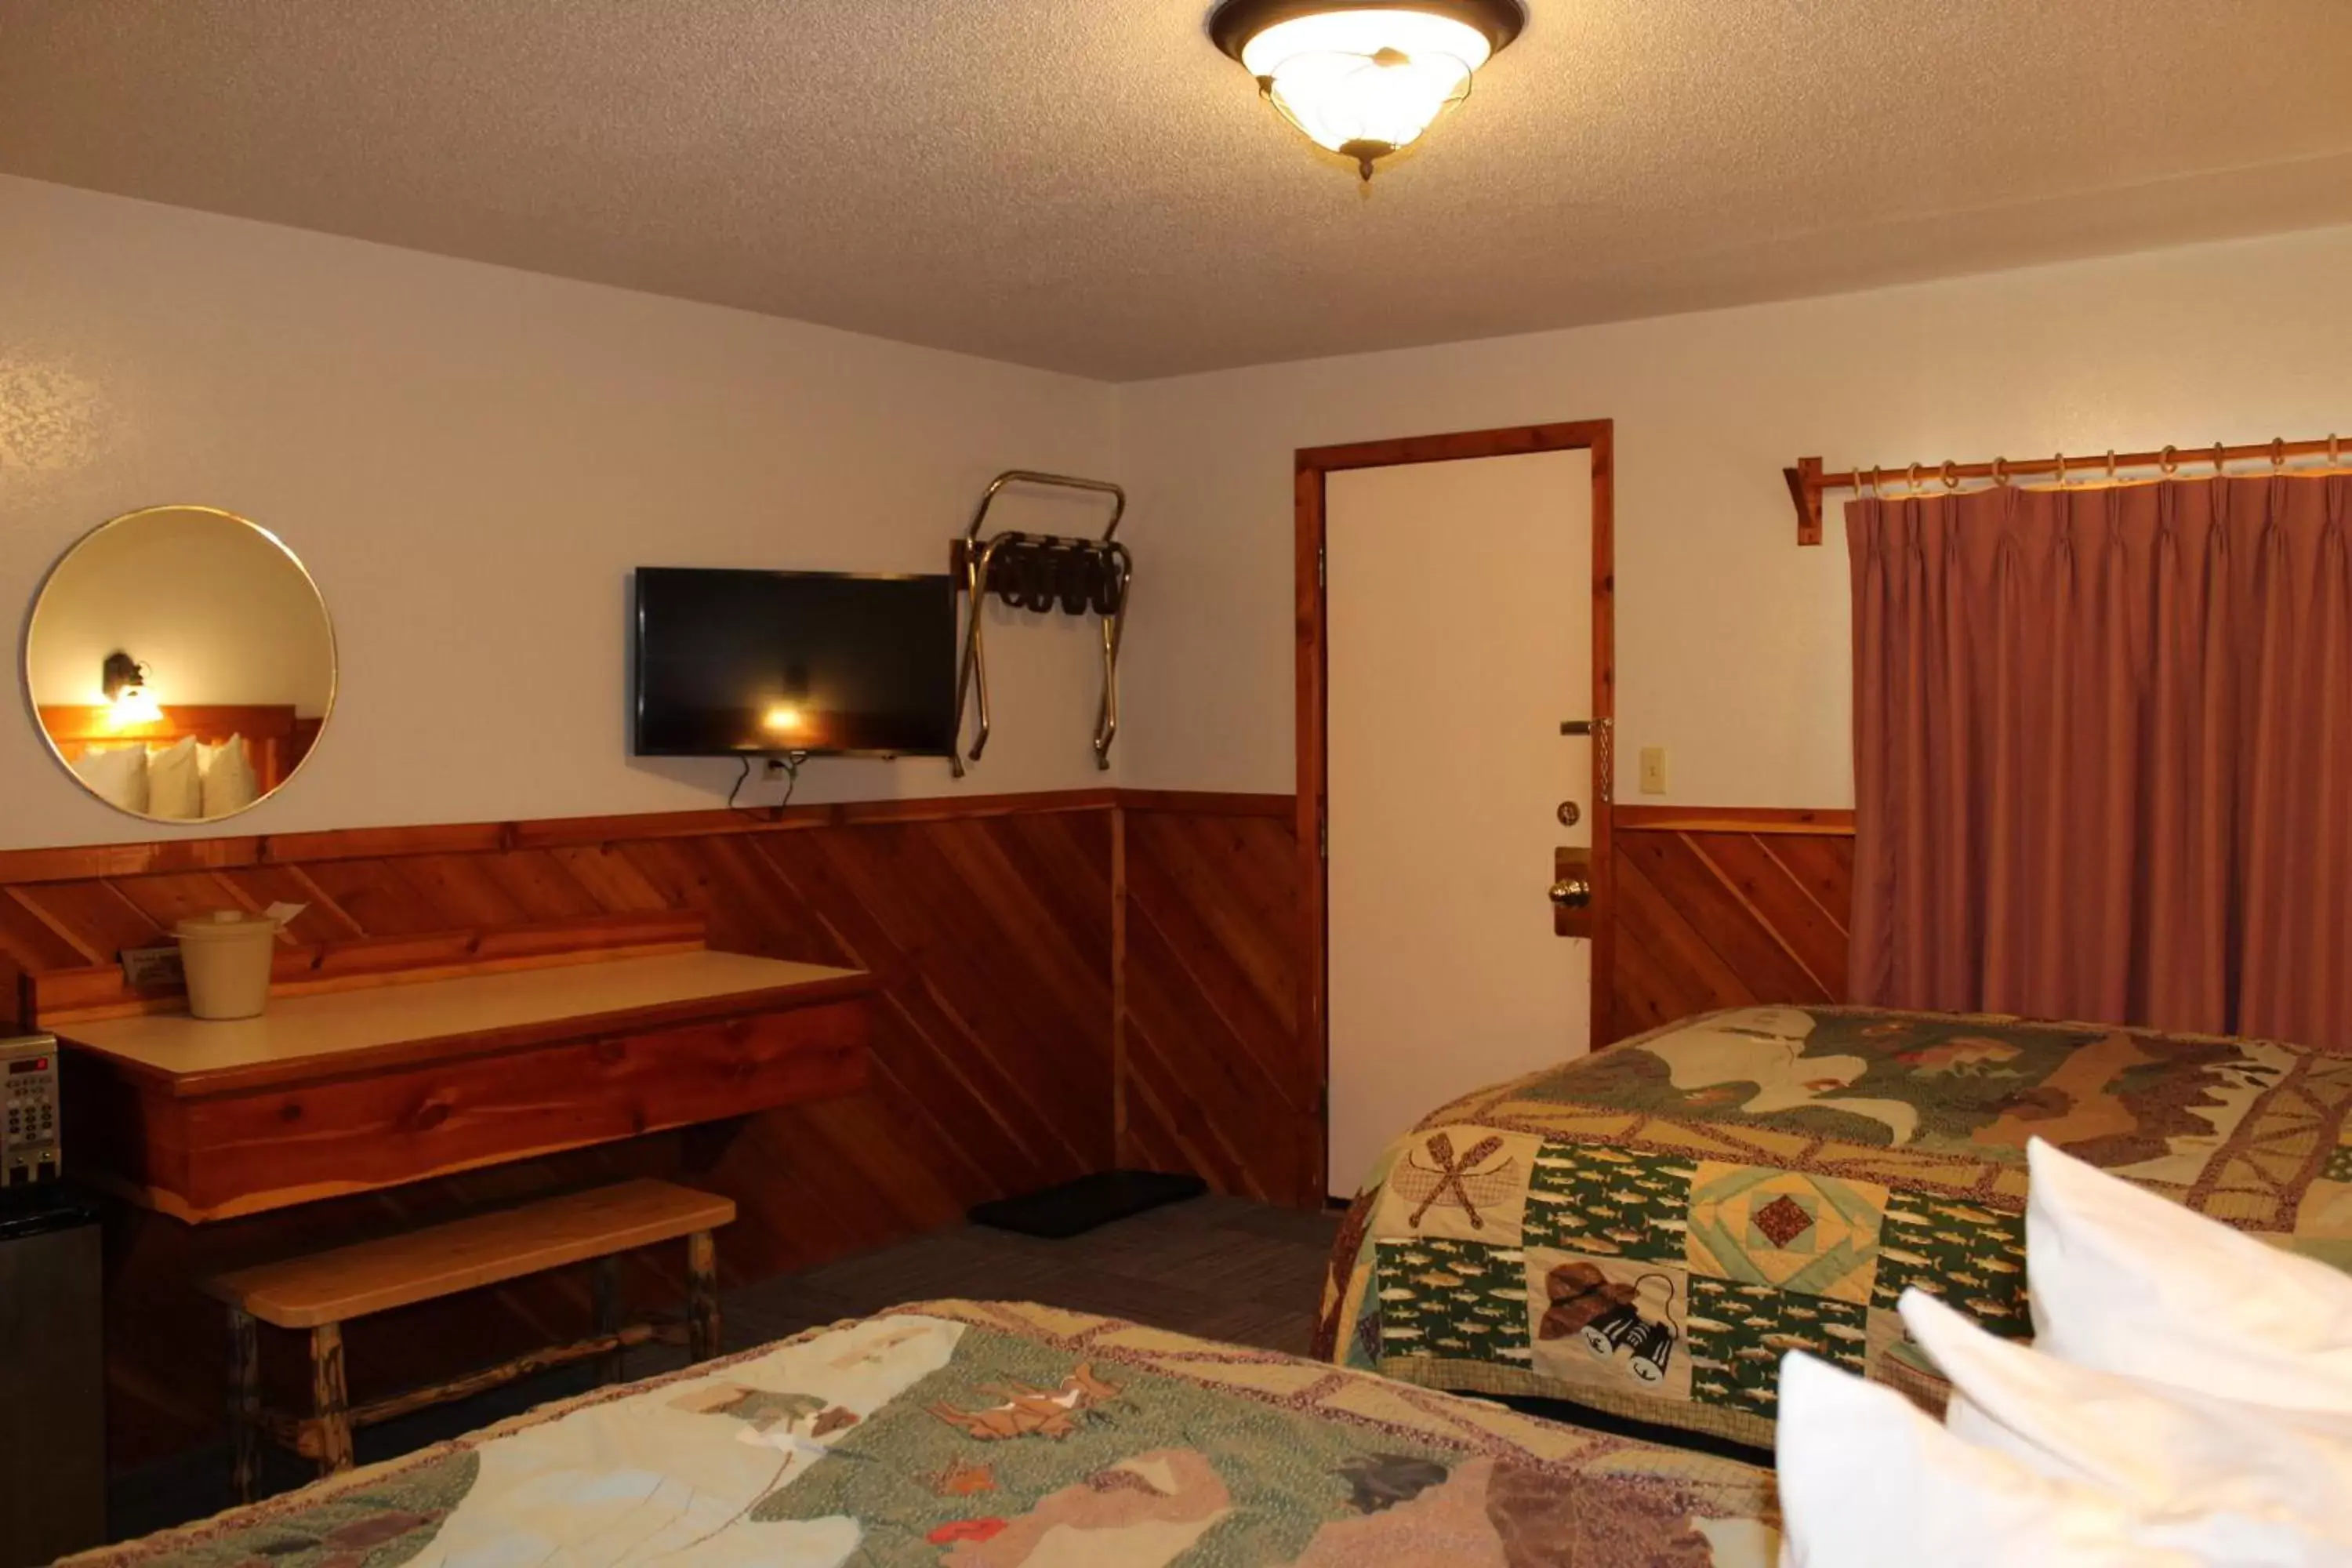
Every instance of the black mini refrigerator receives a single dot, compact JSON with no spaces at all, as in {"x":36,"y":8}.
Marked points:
{"x":52,"y":1376}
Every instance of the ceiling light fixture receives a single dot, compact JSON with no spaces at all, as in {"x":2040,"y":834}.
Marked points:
{"x":1367,"y":78}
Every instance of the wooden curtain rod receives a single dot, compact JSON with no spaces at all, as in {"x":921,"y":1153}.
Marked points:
{"x":1807,"y":482}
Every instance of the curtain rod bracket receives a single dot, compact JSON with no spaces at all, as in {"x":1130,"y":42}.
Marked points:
{"x":1805,"y":489}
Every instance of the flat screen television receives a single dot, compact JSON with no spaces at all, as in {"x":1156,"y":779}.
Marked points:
{"x":732,"y":663}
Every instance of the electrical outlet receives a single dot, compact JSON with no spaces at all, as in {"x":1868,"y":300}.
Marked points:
{"x":1654,"y":770}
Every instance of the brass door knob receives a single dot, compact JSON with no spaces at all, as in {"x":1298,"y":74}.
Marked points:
{"x":1572,"y":892}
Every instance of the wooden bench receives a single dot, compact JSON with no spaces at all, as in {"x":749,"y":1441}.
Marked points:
{"x":322,"y":1292}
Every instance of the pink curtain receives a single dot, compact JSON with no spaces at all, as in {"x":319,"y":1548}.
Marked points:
{"x":2103,"y":753}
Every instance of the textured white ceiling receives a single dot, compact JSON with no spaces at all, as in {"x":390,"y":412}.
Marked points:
{"x":1087,"y":185}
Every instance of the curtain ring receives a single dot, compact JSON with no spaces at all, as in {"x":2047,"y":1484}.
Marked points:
{"x":2218,"y":463}
{"x":2062,"y":470}
{"x":2111,"y":465}
{"x":2331,"y":448}
{"x":2000,"y":471}
{"x":2278,"y":453}
{"x":2168,"y":461}
{"x":1950,"y":482}
{"x":1877,"y":490}
{"x":1913,"y":480}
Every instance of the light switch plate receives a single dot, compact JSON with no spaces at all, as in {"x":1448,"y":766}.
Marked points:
{"x":1654,"y":770}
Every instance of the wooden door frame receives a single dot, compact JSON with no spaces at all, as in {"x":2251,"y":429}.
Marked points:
{"x":1314,"y":465}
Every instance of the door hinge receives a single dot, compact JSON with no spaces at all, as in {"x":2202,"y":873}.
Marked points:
{"x":1323,"y":839}
{"x":1322,"y":554}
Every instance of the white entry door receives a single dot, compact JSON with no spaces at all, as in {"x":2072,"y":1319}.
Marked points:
{"x":1458,"y":606}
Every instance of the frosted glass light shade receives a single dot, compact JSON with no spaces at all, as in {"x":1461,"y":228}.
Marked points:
{"x":1364,"y":83}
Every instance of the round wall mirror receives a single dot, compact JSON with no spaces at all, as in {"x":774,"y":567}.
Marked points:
{"x":180,"y":663}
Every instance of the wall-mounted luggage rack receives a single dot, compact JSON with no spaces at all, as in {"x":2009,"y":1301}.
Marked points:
{"x":1042,"y":572}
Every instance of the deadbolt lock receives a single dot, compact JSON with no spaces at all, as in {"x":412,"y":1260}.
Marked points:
{"x":1570,"y":814}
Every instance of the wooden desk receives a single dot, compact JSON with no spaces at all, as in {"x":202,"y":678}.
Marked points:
{"x":353,"y":1090}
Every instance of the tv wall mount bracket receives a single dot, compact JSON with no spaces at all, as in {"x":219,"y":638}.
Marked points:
{"x":1042,"y":573}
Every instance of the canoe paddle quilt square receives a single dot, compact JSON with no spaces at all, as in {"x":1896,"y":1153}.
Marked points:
{"x":1467,"y":1182}
{"x":1609,"y":1203}
{"x":1456,"y":1300}
{"x":1818,"y":1236}
{"x":1739,"y":1332}
{"x":1973,"y":1258}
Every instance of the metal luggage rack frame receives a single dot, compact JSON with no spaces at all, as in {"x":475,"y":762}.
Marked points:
{"x":1041,"y":572}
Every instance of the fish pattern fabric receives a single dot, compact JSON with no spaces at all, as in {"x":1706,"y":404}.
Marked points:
{"x":968,"y":1435}
{"x":1646,"y":1230}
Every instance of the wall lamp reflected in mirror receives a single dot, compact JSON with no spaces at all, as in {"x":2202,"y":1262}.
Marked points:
{"x":129,"y":700}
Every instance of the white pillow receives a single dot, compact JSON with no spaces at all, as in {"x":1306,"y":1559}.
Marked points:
{"x":1868,"y":1481}
{"x":230,"y":785}
{"x":117,"y":774}
{"x":172,"y":792}
{"x":2154,"y":1446}
{"x":2123,"y":1280}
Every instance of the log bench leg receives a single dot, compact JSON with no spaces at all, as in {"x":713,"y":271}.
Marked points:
{"x":701,"y":1296}
{"x":604,"y":1278}
{"x":330,"y":1403}
{"x":244,"y":1404}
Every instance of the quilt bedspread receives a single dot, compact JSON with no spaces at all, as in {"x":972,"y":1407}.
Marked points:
{"x":964,"y":1434}
{"x":1645,"y":1230}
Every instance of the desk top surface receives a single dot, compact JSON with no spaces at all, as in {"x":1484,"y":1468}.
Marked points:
{"x":353,"y":1030}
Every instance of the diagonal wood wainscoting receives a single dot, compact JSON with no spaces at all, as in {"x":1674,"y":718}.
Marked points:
{"x":990,"y":923}
{"x":1727,"y":909}
{"x":1211,"y":1079}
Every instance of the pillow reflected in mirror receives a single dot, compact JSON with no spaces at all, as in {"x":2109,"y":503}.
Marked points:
{"x":173,"y":794}
{"x":225,"y":773}
{"x":116,"y":775}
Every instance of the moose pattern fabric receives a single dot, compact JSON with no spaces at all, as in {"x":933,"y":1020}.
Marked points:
{"x":1648,"y":1229}
{"x":962,"y":1434}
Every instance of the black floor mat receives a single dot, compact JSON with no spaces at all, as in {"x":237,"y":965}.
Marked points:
{"x":1075,"y":1207}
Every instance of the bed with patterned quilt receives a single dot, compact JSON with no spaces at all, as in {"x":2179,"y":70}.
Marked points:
{"x":964,"y":1434}
{"x":1645,"y":1230}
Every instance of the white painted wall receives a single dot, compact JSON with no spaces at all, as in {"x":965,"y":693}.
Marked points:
{"x":470,"y":459}
{"x":1732,"y":643}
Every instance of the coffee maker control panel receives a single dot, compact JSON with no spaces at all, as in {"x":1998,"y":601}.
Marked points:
{"x":32,"y":1140}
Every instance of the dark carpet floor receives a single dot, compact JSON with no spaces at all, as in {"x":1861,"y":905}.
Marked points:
{"x":1222,"y":1268}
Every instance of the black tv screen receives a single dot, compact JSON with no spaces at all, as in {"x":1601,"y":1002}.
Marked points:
{"x":732,"y":663}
